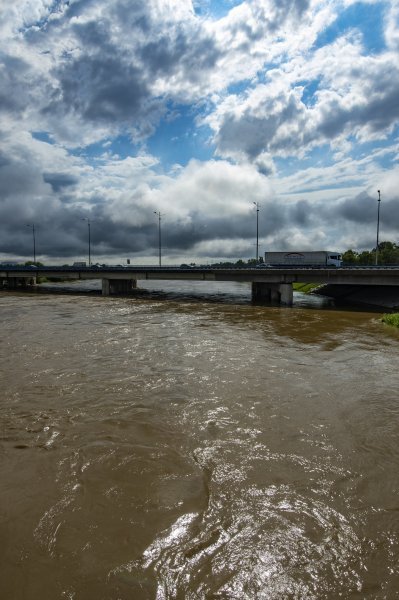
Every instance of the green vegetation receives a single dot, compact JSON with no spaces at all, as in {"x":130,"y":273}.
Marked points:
{"x":391,"y":319}
{"x":251,"y":262}
{"x":388,"y":254}
{"x":306,"y":288}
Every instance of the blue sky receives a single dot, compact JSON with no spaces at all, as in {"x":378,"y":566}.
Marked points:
{"x":114,"y":109}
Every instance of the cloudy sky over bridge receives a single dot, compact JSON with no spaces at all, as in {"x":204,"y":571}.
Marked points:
{"x":113,"y":109}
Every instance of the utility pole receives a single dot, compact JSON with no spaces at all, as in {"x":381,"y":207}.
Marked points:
{"x":378,"y":226}
{"x":257,"y":231}
{"x":159,"y":237}
{"x":34,"y":240}
{"x":88,"y":228}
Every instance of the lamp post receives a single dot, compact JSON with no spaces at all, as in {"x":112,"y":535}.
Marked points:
{"x":34,"y":240}
{"x":257,"y":230}
{"x":159,"y":236}
{"x":88,"y":228}
{"x":378,"y":226}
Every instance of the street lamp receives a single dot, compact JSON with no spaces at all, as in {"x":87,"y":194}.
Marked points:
{"x":34,"y":240}
{"x":159,"y":235}
{"x":378,"y":226}
{"x":88,"y":227}
{"x":257,"y":230}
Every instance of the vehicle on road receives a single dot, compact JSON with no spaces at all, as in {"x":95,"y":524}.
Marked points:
{"x":318,"y":258}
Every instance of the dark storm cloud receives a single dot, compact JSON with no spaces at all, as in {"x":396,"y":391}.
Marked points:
{"x":14,"y":84}
{"x":284,"y":124}
{"x":184,"y":237}
{"x":248,"y":134}
{"x":133,"y":14}
{"x":59,"y":180}
{"x":4,"y":160}
{"x":252,"y":133}
{"x":18,"y":178}
{"x":107,"y":84}
{"x":377,"y":114}
{"x":361,"y":210}
{"x":103,"y":89}
{"x":301,"y":213}
{"x":168,"y":55}
{"x":267,"y":20}
{"x":284,"y":10}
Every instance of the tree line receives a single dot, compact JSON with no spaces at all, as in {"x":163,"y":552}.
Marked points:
{"x":388,"y":254}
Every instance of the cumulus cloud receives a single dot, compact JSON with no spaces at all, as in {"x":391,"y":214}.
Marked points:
{"x":270,"y":102}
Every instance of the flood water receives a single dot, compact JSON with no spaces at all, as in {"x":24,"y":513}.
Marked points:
{"x":191,"y":445}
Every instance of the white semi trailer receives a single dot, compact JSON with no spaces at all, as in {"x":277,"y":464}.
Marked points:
{"x":320,"y":258}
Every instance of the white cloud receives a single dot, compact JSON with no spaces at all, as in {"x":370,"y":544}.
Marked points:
{"x":304,"y":130}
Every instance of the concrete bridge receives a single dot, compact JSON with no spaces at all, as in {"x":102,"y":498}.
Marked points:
{"x":269,"y":284}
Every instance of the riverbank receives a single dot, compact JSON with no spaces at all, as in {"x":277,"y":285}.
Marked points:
{"x":391,"y":319}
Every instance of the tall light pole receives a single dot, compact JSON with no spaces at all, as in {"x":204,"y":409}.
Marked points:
{"x":88,"y":227}
{"x":257,"y":230}
{"x":34,"y":240}
{"x":378,"y":226}
{"x":159,"y":236}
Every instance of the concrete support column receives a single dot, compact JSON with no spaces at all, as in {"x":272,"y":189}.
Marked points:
{"x":105,"y":287}
{"x":286,"y":294}
{"x":118,"y":286}
{"x":276,"y":293}
{"x":12,"y":283}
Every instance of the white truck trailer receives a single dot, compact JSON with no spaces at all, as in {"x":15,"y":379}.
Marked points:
{"x":320,"y":258}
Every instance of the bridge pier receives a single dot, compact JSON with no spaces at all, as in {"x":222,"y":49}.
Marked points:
{"x":14,"y":282}
{"x":118,"y":286}
{"x":276,"y":293}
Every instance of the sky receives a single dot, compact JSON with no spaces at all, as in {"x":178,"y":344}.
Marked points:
{"x":214,"y":119}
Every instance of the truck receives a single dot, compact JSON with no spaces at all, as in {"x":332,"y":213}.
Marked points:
{"x":317,"y":258}
{"x":79,"y":263}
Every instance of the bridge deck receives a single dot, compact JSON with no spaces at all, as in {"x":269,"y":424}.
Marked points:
{"x":338,"y":276}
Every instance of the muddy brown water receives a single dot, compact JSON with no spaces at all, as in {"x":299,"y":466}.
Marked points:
{"x":195,"y":447}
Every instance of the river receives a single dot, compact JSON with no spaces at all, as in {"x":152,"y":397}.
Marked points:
{"x":186,"y":444}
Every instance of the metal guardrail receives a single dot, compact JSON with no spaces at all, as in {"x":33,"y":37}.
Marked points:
{"x":122,"y":268}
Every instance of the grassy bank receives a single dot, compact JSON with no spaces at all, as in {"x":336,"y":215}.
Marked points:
{"x":306,"y":288}
{"x":391,"y":319}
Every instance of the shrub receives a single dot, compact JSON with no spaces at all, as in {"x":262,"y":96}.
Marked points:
{"x":391,"y":319}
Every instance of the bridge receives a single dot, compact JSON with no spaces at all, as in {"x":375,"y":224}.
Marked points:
{"x":269,"y":284}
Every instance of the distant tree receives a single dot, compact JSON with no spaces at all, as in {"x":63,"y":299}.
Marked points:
{"x":388,"y":253}
{"x":350,"y":257}
{"x":366,"y":258}
{"x":29,"y":263}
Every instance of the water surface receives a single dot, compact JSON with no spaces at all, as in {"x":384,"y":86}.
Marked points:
{"x":187,"y":444}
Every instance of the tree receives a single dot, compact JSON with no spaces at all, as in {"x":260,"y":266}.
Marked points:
{"x":350,"y":257}
{"x":388,"y":253}
{"x":29,"y":263}
{"x":366,"y":258}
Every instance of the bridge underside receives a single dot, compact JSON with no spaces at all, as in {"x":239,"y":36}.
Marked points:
{"x":367,"y":287}
{"x":13,"y":283}
{"x":118,"y":286}
{"x":384,"y":296}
